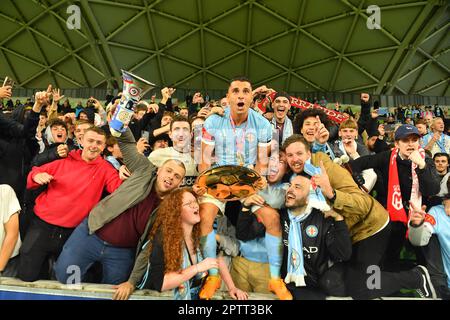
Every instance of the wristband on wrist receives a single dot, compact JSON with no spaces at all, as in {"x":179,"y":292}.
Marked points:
{"x":334,"y":196}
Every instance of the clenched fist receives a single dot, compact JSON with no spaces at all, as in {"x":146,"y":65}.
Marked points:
{"x":365,"y":97}
{"x":62,"y":150}
{"x":416,"y":157}
{"x":42,"y":178}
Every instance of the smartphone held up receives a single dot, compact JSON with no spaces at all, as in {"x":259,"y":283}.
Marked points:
{"x":8,"y":82}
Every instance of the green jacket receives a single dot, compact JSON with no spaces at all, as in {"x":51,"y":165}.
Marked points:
{"x":132,"y":191}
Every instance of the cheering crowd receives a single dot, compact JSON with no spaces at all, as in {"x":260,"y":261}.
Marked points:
{"x":358,"y":207}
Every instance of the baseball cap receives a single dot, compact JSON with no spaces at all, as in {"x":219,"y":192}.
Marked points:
{"x":405,"y":130}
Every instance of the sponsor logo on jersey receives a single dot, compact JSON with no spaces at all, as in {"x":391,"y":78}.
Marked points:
{"x":188,"y":181}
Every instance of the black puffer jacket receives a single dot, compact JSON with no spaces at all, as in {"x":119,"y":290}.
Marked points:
{"x":18,"y":146}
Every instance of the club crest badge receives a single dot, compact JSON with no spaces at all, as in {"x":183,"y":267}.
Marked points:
{"x":250,"y":137}
{"x":295,"y":259}
{"x":312,"y":231}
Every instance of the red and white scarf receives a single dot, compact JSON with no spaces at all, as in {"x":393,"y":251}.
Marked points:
{"x":333,"y":115}
{"x":394,"y":201}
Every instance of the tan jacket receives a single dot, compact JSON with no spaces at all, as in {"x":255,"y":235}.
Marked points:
{"x":363,"y":215}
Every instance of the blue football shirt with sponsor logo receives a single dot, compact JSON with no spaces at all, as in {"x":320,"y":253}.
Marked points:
{"x":231,"y":142}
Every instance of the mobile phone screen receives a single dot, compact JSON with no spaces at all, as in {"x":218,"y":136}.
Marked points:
{"x":145,"y":134}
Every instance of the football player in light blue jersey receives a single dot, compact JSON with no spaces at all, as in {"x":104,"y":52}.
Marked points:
{"x":236,"y":142}
{"x":240,"y":137}
{"x":264,"y":205}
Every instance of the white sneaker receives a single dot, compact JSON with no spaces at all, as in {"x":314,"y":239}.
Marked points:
{"x":427,"y":289}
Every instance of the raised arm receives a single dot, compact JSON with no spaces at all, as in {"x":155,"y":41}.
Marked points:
{"x":161,"y":130}
{"x":132,"y":158}
{"x":365,"y":112}
{"x":13,"y":129}
{"x":46,"y":156}
{"x":101,"y":112}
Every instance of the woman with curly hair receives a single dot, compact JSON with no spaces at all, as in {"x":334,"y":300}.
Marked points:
{"x":174,"y":259}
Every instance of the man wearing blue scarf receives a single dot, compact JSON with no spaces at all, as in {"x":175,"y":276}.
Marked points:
{"x":366,"y":220}
{"x":312,"y":239}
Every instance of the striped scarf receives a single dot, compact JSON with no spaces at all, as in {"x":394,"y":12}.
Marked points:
{"x":395,"y":202}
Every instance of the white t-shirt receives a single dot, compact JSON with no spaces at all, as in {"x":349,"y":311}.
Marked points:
{"x":9,"y":205}
{"x":159,"y":156}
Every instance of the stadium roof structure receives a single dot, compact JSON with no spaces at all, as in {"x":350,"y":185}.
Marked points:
{"x":301,"y":46}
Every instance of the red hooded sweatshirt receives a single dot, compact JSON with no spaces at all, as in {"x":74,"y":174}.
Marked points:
{"x":76,"y":188}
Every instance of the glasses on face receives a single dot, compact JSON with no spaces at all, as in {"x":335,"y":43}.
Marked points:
{"x":191,"y":204}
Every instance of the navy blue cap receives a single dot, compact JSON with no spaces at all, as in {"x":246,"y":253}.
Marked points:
{"x":405,"y":130}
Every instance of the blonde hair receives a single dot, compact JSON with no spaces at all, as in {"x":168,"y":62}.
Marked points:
{"x":348,"y":124}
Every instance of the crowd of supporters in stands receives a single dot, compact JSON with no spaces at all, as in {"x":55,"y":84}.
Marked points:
{"x":336,"y":201}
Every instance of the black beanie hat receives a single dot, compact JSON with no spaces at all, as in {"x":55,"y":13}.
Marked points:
{"x":282,"y":94}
